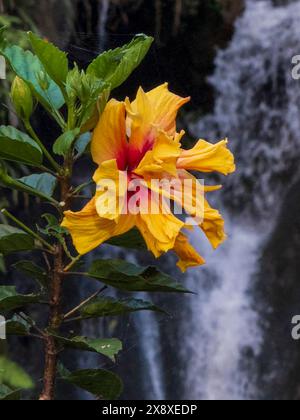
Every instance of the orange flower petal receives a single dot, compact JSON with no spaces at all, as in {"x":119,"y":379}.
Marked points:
{"x":88,"y":230}
{"x":111,"y":190}
{"x":155,"y":110}
{"x":207,"y":157}
{"x":188,"y":256}
{"x":161,"y":160}
{"x":109,"y":137}
{"x":165,"y":105}
{"x":159,"y":230}
{"x":213,"y":226}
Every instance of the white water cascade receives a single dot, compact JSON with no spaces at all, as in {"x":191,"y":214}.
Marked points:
{"x":257,"y":106}
{"x":103,"y":15}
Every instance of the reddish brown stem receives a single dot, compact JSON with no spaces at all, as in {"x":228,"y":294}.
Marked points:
{"x":51,"y":350}
{"x":56,"y":316}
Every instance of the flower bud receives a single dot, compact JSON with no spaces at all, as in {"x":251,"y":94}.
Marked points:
{"x":22,"y":98}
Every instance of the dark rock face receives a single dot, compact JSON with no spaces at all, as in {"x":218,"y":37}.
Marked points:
{"x":279,"y":293}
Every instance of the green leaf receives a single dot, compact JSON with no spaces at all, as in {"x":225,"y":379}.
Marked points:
{"x":8,"y":394}
{"x":2,"y":265}
{"x":88,"y":96}
{"x":64,"y":143}
{"x":107,"y":306}
{"x":102,"y":383}
{"x":10,"y":299}
{"x":44,"y":183}
{"x":20,"y":185}
{"x":62,"y":371}
{"x":3,"y":41}
{"x":19,"y":147}
{"x":115,"y":66}
{"x":108,"y":347}
{"x":82,"y":142}
{"x":13,"y":375}
{"x":33,"y":271}
{"x":17,"y":326}
{"x":14,"y":240}
{"x":129,"y":277}
{"x":29,"y":68}
{"x":93,"y":111}
{"x":131,"y":240}
{"x":53,"y":227}
{"x":53,"y":59}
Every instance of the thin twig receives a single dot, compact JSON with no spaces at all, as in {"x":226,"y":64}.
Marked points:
{"x":75,"y":273}
{"x":48,"y":170}
{"x":27,"y":229}
{"x":47,"y":261}
{"x":69,"y":320}
{"x":83,"y":197}
{"x":93,"y":296}
{"x":39,"y":337}
{"x":81,"y":187}
{"x":32,"y":324}
{"x":63,"y":242}
{"x":72,"y":263}
{"x":33,"y":134}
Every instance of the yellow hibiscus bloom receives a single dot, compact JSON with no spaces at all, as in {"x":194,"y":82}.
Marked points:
{"x":138,"y":141}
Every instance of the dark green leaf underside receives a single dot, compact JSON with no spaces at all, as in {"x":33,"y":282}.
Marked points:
{"x":129,"y":277}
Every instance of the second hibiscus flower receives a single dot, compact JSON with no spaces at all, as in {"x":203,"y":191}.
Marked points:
{"x":139,"y":141}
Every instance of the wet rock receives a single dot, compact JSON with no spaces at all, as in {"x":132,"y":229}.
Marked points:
{"x":279,"y":290}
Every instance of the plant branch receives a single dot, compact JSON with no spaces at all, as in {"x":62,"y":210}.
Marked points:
{"x":32,"y":325}
{"x":33,"y":134}
{"x":72,"y":263}
{"x":51,"y":350}
{"x":56,"y":316}
{"x":86,"y":301}
{"x":27,"y":229}
{"x":81,"y":187}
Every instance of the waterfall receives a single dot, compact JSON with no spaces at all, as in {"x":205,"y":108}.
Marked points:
{"x":103,"y":15}
{"x":150,"y":346}
{"x":223,"y":327}
{"x":257,"y":106}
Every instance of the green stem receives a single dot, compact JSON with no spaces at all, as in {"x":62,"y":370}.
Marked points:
{"x":15,"y":184}
{"x":48,"y":170}
{"x":55,"y":113}
{"x":72,"y":263}
{"x":63,"y":242}
{"x":71,"y":117}
{"x":33,"y":134}
{"x":81,"y":187}
{"x":85,"y":302}
{"x":27,"y":229}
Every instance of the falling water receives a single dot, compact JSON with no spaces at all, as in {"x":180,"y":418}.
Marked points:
{"x":150,"y":347}
{"x":103,"y":15}
{"x":257,"y":105}
{"x":223,"y":324}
